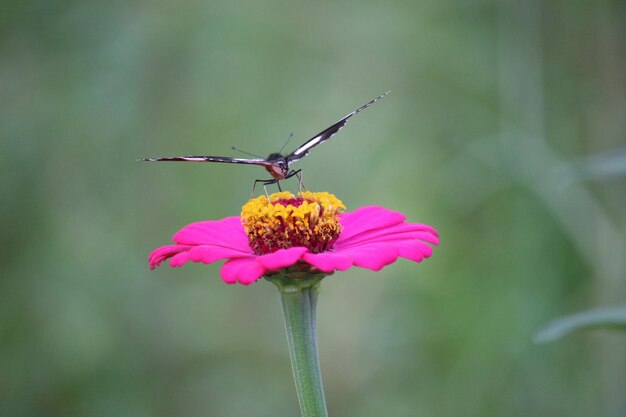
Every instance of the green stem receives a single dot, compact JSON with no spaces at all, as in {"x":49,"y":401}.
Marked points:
{"x":299,"y":298}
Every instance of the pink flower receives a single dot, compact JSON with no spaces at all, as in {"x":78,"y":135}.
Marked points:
{"x":308,"y":233}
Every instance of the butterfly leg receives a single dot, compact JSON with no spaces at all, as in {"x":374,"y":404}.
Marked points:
{"x":298,"y":174}
{"x":265,"y":184}
{"x":301,"y":185}
{"x":254,"y":188}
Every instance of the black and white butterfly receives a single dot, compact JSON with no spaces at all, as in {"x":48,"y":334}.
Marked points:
{"x":277,"y":164}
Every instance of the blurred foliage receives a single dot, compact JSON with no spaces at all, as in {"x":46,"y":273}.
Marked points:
{"x":505,"y":130}
{"x":608,"y":318}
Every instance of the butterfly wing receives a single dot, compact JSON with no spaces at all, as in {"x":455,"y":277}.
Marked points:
{"x":327,"y":133}
{"x":203,"y":158}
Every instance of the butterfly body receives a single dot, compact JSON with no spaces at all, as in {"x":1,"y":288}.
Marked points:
{"x":277,"y":164}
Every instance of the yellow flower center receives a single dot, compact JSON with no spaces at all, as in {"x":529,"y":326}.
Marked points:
{"x":285,"y":221}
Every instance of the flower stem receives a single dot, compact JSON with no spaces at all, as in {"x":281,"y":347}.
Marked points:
{"x":299,"y":298}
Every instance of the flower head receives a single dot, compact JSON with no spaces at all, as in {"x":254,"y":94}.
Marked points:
{"x":284,"y":221}
{"x":309,"y":234}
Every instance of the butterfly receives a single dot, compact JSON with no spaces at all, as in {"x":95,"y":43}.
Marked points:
{"x":277,"y":164}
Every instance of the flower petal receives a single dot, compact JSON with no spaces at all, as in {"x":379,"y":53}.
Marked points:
{"x":368,"y":218}
{"x":399,"y":231}
{"x":160,"y":254}
{"x":228,"y":232}
{"x":282,"y":258}
{"x":328,"y":261}
{"x":207,"y":254}
{"x":372,"y":256}
{"x":414,"y":250}
{"x":242,"y":270}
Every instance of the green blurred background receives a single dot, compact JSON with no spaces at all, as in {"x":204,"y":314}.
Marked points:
{"x":505,"y":129}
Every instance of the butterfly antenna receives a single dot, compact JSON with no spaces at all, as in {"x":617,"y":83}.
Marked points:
{"x":234,"y":148}
{"x":286,"y":142}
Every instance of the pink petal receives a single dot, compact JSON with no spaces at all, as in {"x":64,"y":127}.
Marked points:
{"x":242,"y":270}
{"x":368,"y":218}
{"x":207,"y":254}
{"x":160,"y":254}
{"x":416,"y":251}
{"x":328,"y":261}
{"x":427,"y":228}
{"x":228,"y":232}
{"x":399,"y":231}
{"x":373,"y":257}
{"x":282,"y":258}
